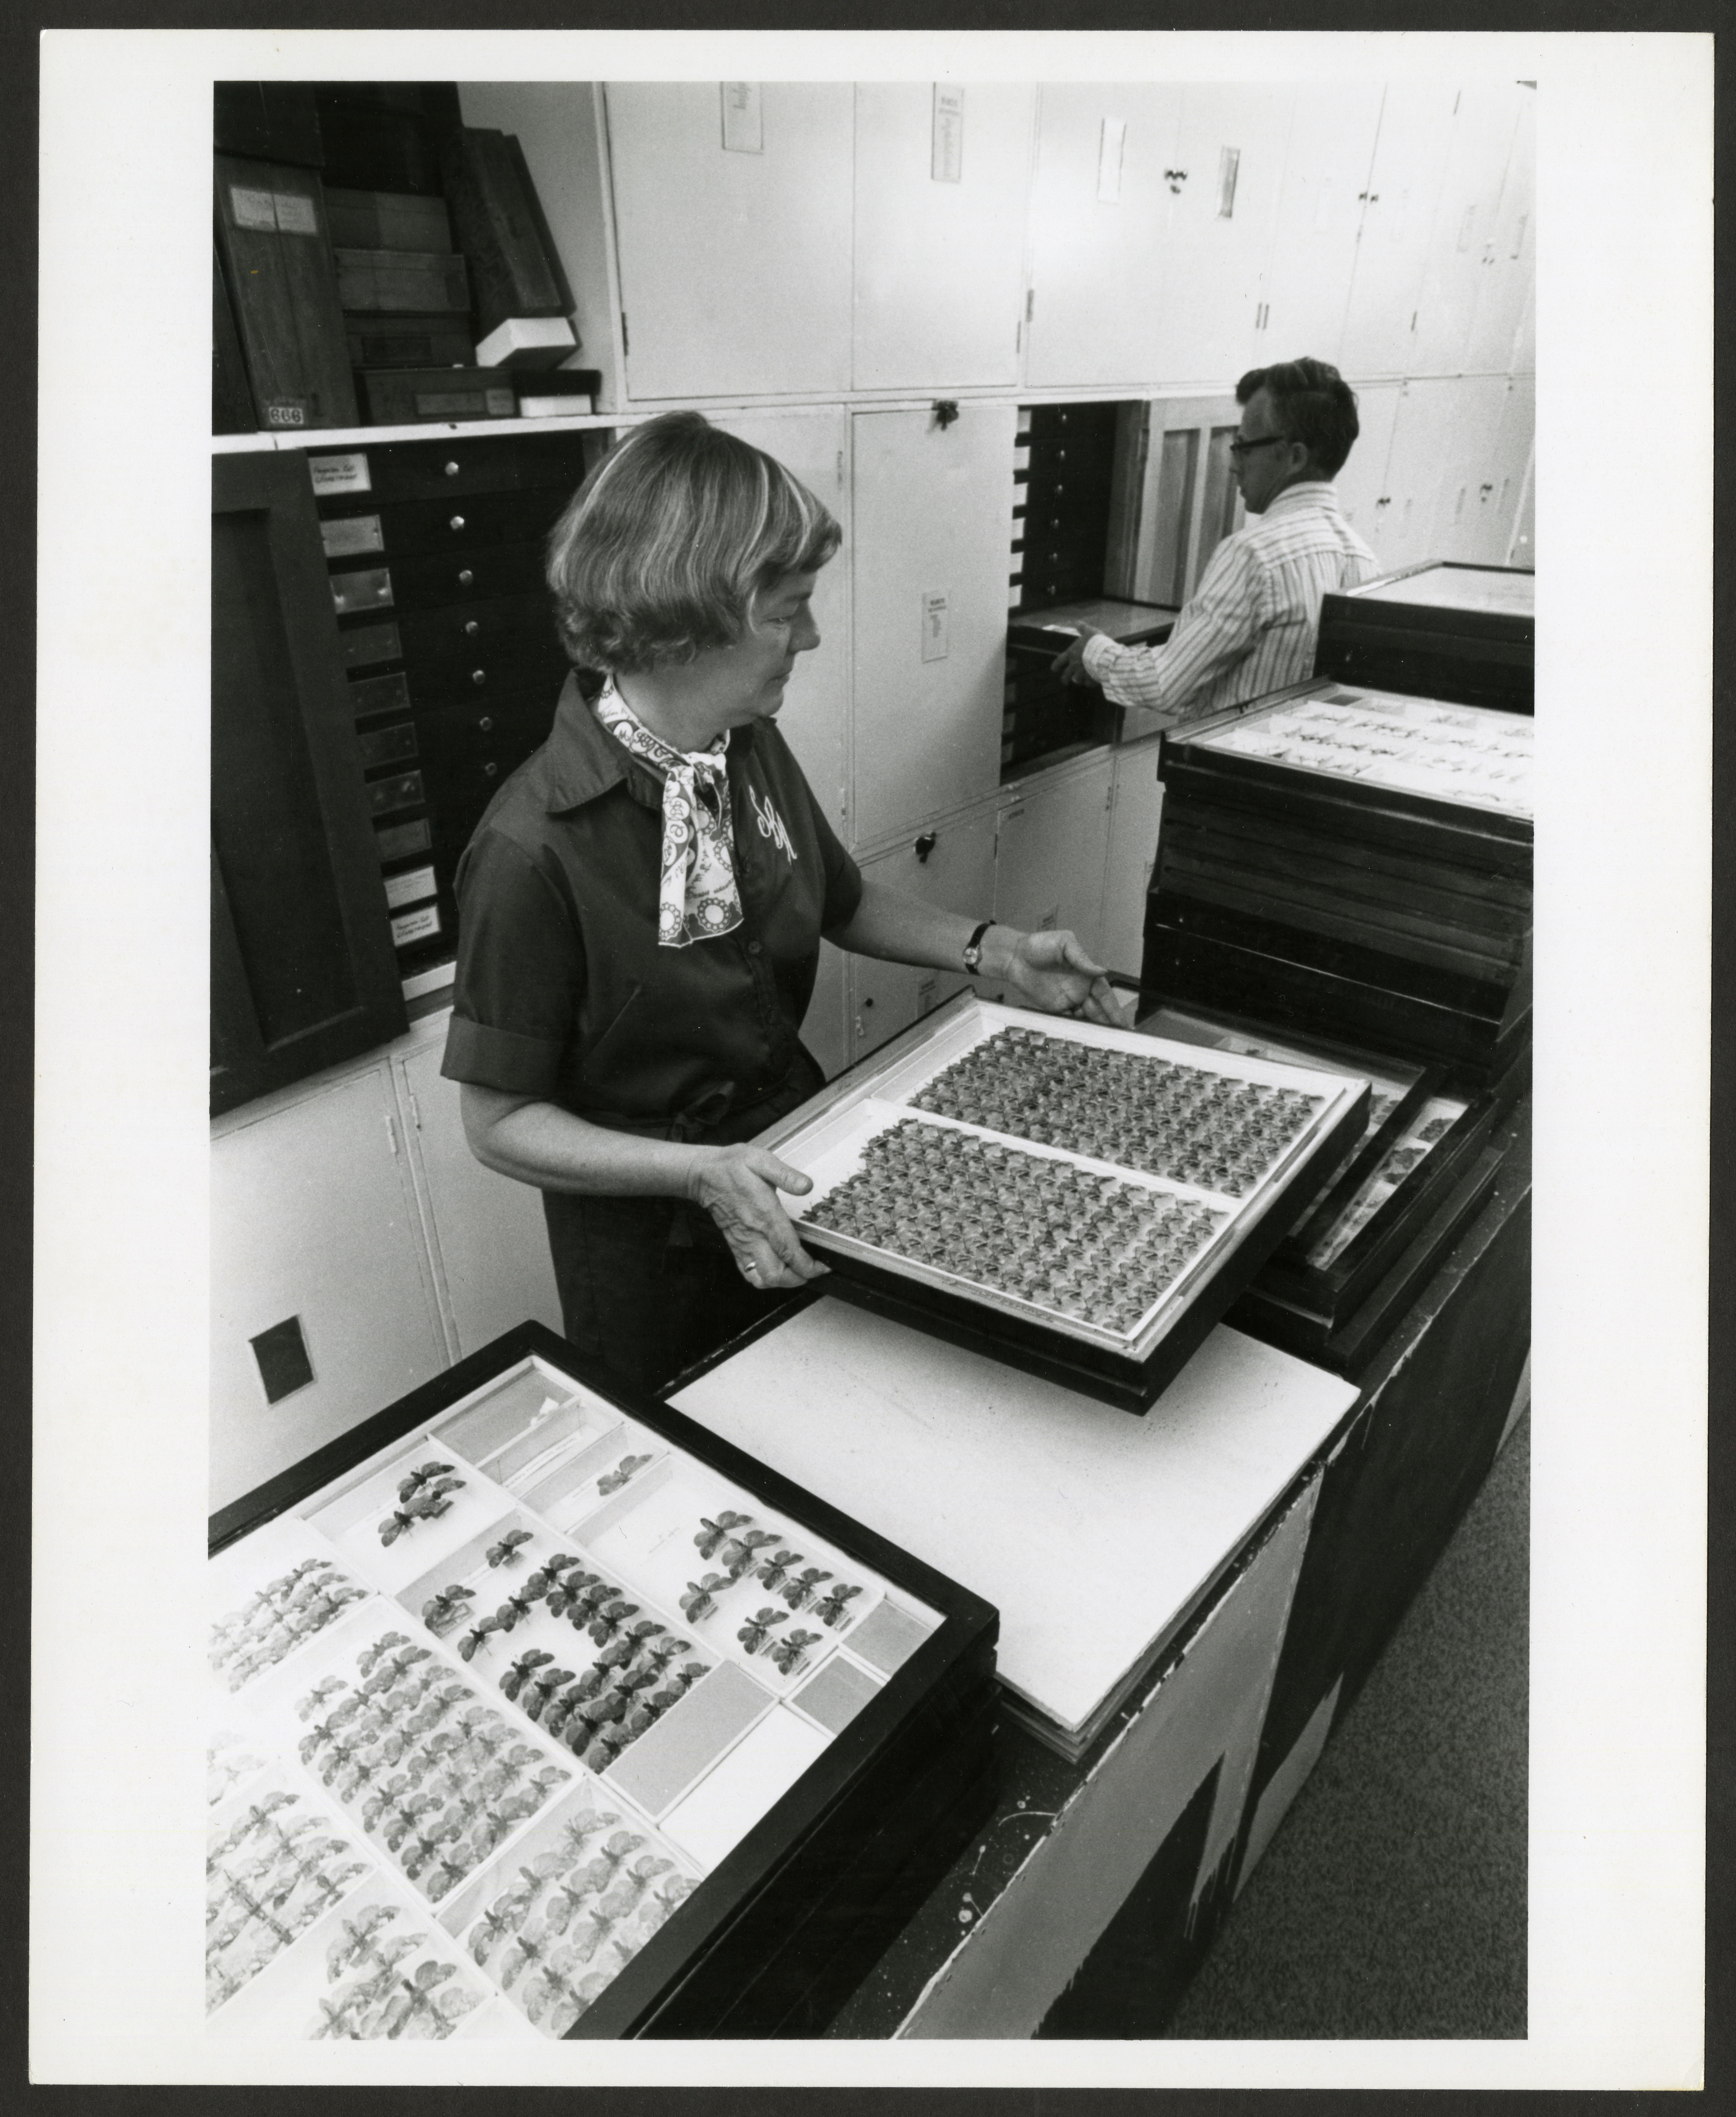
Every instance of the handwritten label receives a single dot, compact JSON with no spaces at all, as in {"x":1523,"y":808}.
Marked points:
{"x":935,"y":625}
{"x":351,"y":535}
{"x":334,"y":474}
{"x":946,"y":165}
{"x":295,"y":215}
{"x":252,"y":208}
{"x":422,"y":924}
{"x":402,"y":889}
{"x":742,"y":133}
{"x":1109,"y":148}
{"x":1229,"y":162}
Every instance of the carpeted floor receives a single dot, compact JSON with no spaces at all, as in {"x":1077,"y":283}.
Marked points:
{"x":1391,"y":1902}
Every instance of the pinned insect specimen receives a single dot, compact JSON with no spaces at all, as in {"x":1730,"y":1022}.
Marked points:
{"x":801,"y":1589}
{"x":606,"y":1621}
{"x":758,"y":1629}
{"x":778,"y":1566}
{"x":446,"y":1609}
{"x":789,"y":1653}
{"x":741,"y":1553}
{"x":700,"y":1600}
{"x":354,"y":1944}
{"x":424,"y":1496}
{"x":713,"y":1534}
{"x":571,"y":1593}
{"x":832,"y":1607}
{"x":630,"y":1466}
{"x":521,"y":1670}
{"x":506,"y":1551}
{"x":478,"y":1637}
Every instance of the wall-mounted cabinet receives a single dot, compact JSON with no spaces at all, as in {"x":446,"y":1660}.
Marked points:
{"x":733,"y":244}
{"x":1135,"y":811}
{"x":1049,"y":842}
{"x":1361,"y":483}
{"x":1100,"y":206}
{"x":951,"y":866}
{"x":1467,"y":500}
{"x":1306,"y":289}
{"x":941,"y":175}
{"x":1404,"y":182}
{"x":932,"y":512}
{"x":1507,"y":270}
{"x":1464,"y":225}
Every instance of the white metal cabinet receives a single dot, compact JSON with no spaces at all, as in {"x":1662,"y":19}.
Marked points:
{"x":486,"y":1237}
{"x":939,"y":260}
{"x":1404,"y":182}
{"x":1419,"y":463}
{"x":1099,"y":214}
{"x":1050,"y":843}
{"x":1468,"y":484}
{"x":1136,"y":813}
{"x":313,"y":1216}
{"x":1523,"y":360}
{"x":1229,"y":159}
{"x":955,"y":872}
{"x":1308,"y":276}
{"x":1502,"y":476}
{"x":734,"y":267}
{"x":825,"y":1026}
{"x":1361,"y":482}
{"x":815,"y":445}
{"x":932,"y":515}
{"x":1506,"y":267}
{"x":1483,"y":129}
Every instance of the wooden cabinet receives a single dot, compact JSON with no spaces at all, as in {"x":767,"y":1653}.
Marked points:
{"x":1229,"y":164}
{"x":488,"y":1248}
{"x":952,"y":866}
{"x":939,"y":232}
{"x":1100,"y":203}
{"x":1179,"y":502}
{"x":1404,"y":180}
{"x":734,"y":266}
{"x":1507,"y":270}
{"x":1136,"y":813}
{"x":314,"y":1217}
{"x":302,"y":971}
{"x":815,"y":447}
{"x":1327,"y":159}
{"x":932,"y":522}
{"x":1464,"y":222}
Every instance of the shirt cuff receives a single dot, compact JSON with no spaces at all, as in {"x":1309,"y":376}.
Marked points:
{"x":499,"y":1059}
{"x":1101,"y":654}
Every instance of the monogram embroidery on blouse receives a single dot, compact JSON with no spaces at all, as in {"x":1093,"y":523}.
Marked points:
{"x":772,"y":825}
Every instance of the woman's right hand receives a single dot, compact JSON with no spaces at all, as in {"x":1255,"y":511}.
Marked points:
{"x":738,"y":1186}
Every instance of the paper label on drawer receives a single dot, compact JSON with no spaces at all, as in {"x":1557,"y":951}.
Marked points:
{"x":252,"y":208}
{"x":741,"y":117}
{"x":946,"y":166}
{"x":419,"y":925}
{"x":351,"y":534}
{"x":402,"y":889}
{"x":295,"y":215}
{"x":347,"y":472}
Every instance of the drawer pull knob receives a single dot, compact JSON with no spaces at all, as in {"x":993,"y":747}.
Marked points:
{"x":471,"y":627}
{"x":452,"y":470}
{"x":466,"y":578}
{"x":479,"y":675}
{"x":489,"y":770}
{"x":456,"y":523}
{"x":486,"y":723}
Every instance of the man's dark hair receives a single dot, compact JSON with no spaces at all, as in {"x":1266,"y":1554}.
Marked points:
{"x":1314,"y":405}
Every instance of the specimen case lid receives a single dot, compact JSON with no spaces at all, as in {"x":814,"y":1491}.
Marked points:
{"x":763,"y":1784}
{"x":1458,"y":631}
{"x":1081,"y":1201}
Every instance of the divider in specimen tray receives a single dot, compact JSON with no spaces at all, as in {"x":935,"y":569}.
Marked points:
{"x":517,"y":1428}
{"x":376,"y":1966}
{"x":579,"y":1896}
{"x":726,"y":1804}
{"x":578,"y":1487}
{"x":419,"y":1507}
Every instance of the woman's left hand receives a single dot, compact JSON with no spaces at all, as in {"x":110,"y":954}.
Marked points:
{"x":1052,"y":972}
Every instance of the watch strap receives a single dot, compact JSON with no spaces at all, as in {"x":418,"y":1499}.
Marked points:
{"x":974,"y":946}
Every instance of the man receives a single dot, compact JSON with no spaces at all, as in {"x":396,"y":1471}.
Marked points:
{"x":1251,"y":624}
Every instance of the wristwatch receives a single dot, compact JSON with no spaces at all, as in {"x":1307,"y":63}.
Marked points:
{"x":974,"y":947}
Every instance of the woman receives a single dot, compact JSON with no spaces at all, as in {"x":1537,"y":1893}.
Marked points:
{"x":641,"y":908}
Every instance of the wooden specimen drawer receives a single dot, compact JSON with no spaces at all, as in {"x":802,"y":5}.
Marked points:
{"x":426,"y":470}
{"x":430,"y":580}
{"x":515,"y":625}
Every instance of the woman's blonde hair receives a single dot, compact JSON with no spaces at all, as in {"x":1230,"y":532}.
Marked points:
{"x":662,"y":549}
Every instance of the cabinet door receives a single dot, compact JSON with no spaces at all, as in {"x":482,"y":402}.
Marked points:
{"x":815,"y":447}
{"x":1419,"y":463}
{"x":734,"y":266}
{"x":302,"y":971}
{"x":1468,"y":483}
{"x":1483,"y":130}
{"x":825,"y":1026}
{"x":1362,"y":481}
{"x":1230,"y":160}
{"x":940,"y":220}
{"x":1502,"y":477}
{"x":932,"y":515}
{"x":955,"y":872}
{"x":1404,"y":182}
{"x":1313,"y":246}
{"x":1050,"y":846}
{"x":1136,"y":810}
{"x":313,"y":1216}
{"x":1508,"y":263}
{"x":491,"y":1250}
{"x":1099,"y":211}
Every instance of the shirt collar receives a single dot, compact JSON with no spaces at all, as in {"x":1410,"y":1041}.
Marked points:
{"x":582,"y":760}
{"x":1314,"y":490}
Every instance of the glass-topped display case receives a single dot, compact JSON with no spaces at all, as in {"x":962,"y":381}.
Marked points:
{"x":1441,"y":628}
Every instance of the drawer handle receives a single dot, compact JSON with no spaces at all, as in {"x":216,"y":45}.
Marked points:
{"x":466,"y":578}
{"x":489,"y":770}
{"x":479,"y":675}
{"x":486,"y":723}
{"x":456,"y":523}
{"x":452,"y":470}
{"x":471,"y":627}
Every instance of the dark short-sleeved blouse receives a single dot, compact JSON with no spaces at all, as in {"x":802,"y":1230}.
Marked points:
{"x":562,"y":991}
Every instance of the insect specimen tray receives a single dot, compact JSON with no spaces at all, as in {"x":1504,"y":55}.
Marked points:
{"x":1452,"y":631}
{"x":1083,"y":1202}
{"x":538,"y":1709}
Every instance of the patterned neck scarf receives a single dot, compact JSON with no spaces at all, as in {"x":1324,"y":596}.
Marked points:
{"x":696,"y":896}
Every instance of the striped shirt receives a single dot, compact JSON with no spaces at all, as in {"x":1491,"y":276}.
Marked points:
{"x":1251,"y":624}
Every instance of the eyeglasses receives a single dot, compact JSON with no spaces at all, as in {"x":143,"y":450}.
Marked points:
{"x":1240,"y":449}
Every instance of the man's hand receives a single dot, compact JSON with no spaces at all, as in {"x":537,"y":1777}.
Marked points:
{"x":1052,"y":972}
{"x":1070,"y":666}
{"x":738,"y":1186}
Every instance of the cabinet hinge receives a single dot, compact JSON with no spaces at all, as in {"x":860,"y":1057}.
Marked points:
{"x":625,"y":347}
